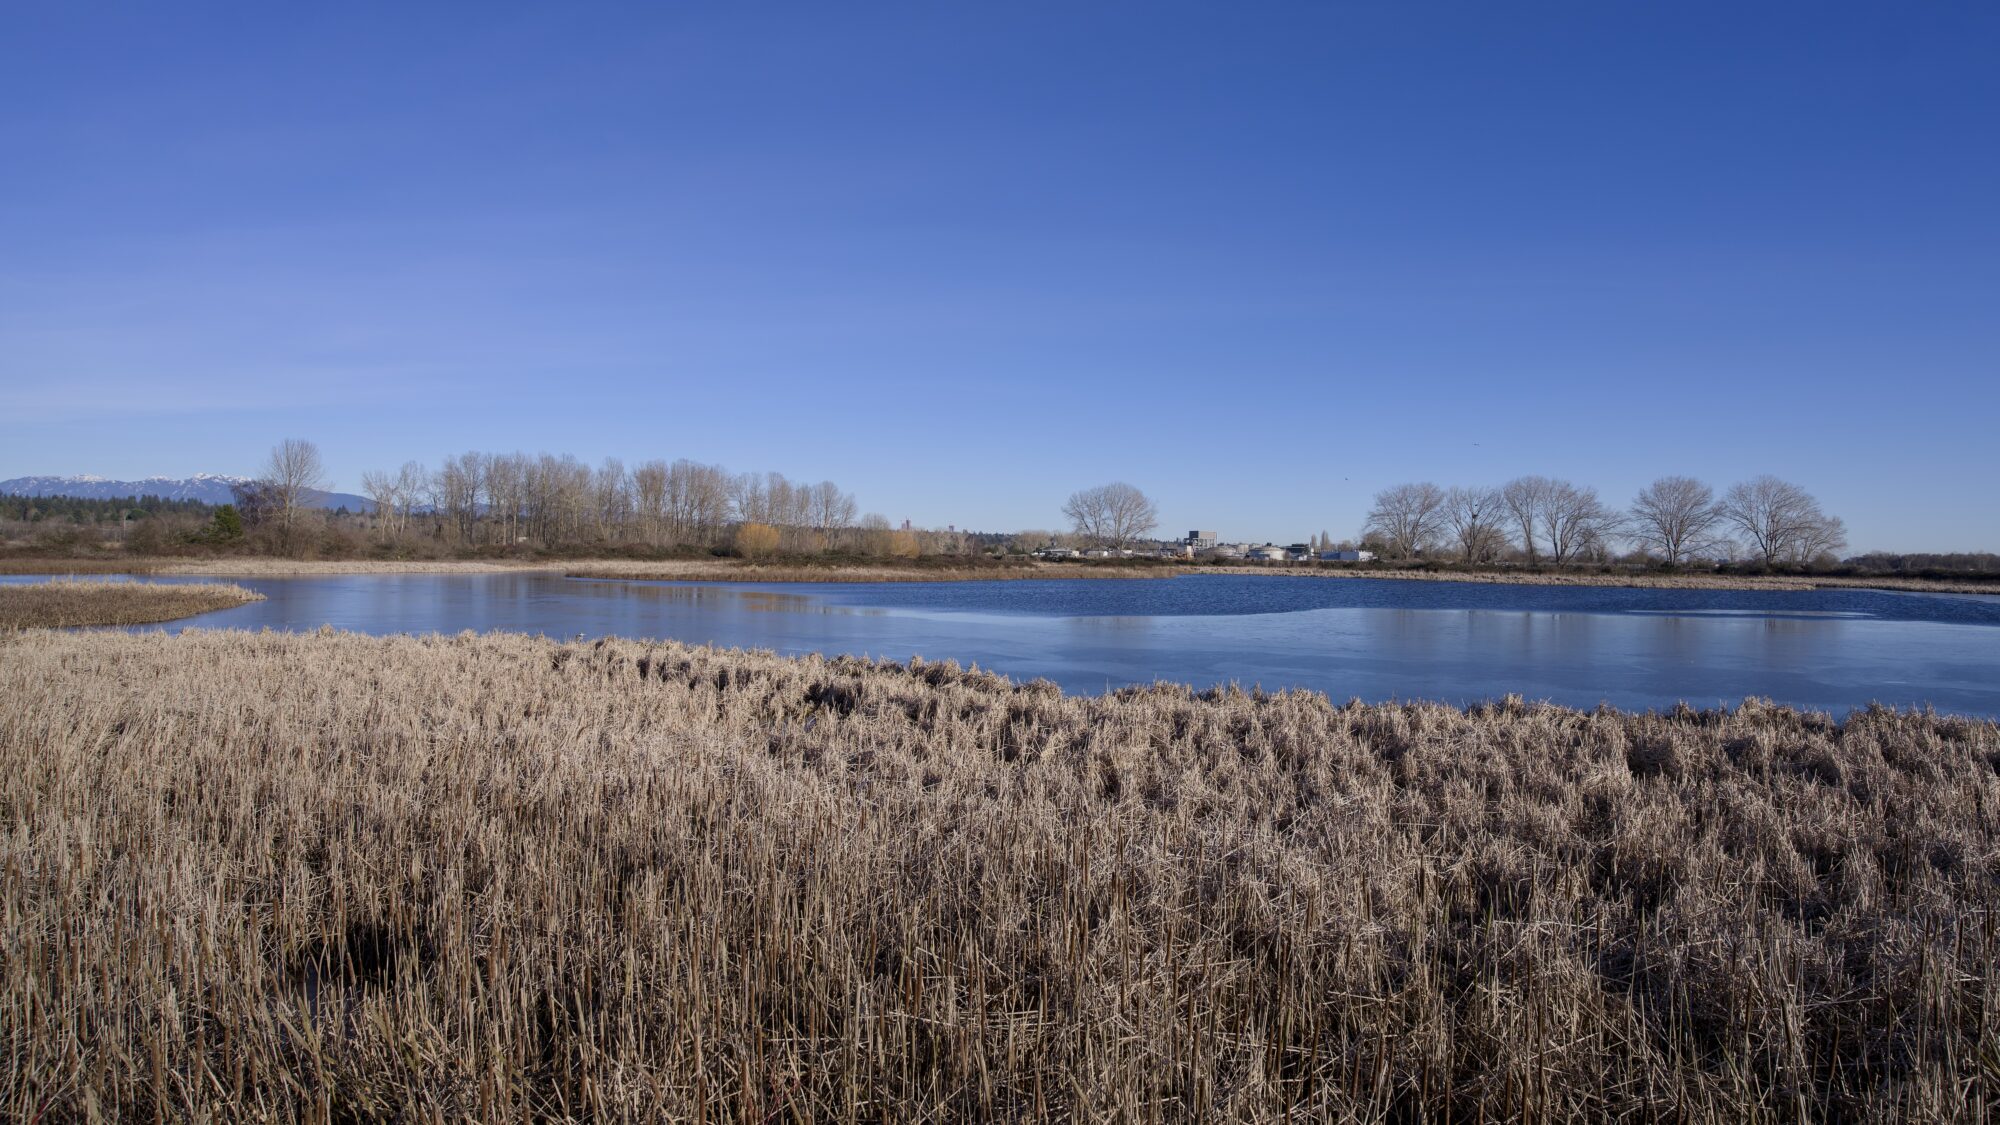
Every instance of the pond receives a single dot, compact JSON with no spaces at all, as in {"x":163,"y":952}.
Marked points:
{"x":1830,"y":650}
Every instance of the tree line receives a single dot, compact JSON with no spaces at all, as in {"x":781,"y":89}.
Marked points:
{"x":1675,"y":519}
{"x":83,"y":510}
{"x":482,"y":502}
{"x":70,"y":523}
{"x":477,"y":499}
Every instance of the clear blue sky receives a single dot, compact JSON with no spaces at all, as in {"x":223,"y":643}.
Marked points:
{"x":1259,"y":260}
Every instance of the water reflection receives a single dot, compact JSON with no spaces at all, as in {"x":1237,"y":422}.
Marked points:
{"x":710,"y":594}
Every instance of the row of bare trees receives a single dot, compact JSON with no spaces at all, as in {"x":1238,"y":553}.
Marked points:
{"x":476,"y":498}
{"x":479,"y":498}
{"x":1675,"y":519}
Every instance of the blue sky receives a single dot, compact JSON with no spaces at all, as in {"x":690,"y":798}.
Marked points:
{"x":1260,"y":260}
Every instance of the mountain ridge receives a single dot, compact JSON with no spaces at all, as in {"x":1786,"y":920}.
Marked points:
{"x":208,"y":488}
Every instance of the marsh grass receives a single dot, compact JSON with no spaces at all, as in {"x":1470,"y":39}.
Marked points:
{"x":69,"y":602}
{"x":333,"y":877}
{"x":69,"y":565}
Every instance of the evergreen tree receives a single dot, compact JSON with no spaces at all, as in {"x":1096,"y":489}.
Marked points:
{"x":226,"y":526}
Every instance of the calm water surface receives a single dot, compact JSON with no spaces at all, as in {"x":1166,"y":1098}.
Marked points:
{"x":1830,"y":650}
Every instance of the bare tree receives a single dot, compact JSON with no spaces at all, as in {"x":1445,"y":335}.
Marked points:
{"x":396,"y":496}
{"x":698,"y":500}
{"x":649,"y":501}
{"x":1473,"y":516}
{"x":1822,"y":538}
{"x":506,"y":494}
{"x":1781,"y":521}
{"x":382,"y":491}
{"x":774,"y":499}
{"x":1111,"y":515}
{"x":1676,"y":517}
{"x":1408,"y":517}
{"x":294,"y":476}
{"x":565,"y":497}
{"x":1524,"y":498}
{"x":412,"y":481}
{"x":460,"y":483}
{"x":767,"y":498}
{"x":611,"y":499}
{"x":1574,"y":521}
{"x":832,"y":511}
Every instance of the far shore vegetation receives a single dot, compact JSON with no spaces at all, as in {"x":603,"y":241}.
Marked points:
{"x":695,"y":522}
{"x":68,"y":603}
{"x":822,"y":568}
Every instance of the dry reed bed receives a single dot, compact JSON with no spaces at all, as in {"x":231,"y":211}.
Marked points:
{"x":271,"y":876}
{"x":70,"y":602}
{"x":726,"y":571}
{"x":1630,"y":581}
{"x":40,"y":564}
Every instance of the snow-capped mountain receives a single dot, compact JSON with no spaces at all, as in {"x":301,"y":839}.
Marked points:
{"x":209,"y":488}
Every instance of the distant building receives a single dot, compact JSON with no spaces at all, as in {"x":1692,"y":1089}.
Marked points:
{"x":1347,"y":556}
{"x":1268,"y":553}
{"x":1200,"y":540}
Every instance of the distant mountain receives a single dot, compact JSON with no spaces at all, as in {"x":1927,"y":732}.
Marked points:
{"x":208,"y":488}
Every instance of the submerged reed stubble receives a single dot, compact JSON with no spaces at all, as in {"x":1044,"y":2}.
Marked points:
{"x":277,"y":876}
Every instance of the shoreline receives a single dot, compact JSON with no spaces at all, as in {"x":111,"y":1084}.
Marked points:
{"x":809,"y":572}
{"x":1775,"y":582}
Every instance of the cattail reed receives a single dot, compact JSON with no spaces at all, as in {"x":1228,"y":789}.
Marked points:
{"x":277,"y":877}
